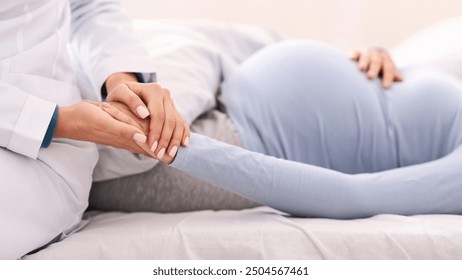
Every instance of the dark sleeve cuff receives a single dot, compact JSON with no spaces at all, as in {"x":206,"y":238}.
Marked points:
{"x":138,"y":76}
{"x":51,"y":129}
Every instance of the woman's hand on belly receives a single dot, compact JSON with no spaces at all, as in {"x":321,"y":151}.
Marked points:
{"x":377,"y":62}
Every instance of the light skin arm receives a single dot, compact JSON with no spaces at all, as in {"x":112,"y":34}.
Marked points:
{"x":86,"y":121}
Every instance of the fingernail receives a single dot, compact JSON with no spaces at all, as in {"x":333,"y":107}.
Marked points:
{"x":154,"y":146}
{"x":173,"y":151}
{"x":186,"y":141}
{"x":142,"y":111}
{"x":138,"y":137}
{"x":161,"y":153}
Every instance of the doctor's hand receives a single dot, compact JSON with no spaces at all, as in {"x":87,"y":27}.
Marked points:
{"x":167,"y":129}
{"x":377,"y":62}
{"x":88,"y":121}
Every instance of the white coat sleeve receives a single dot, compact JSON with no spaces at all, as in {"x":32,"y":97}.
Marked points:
{"x":102,"y":39}
{"x":24,"y":120}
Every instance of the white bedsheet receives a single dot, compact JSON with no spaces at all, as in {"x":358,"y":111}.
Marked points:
{"x":260,"y":233}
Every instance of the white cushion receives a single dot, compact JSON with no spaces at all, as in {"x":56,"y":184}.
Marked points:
{"x":439,"y":45}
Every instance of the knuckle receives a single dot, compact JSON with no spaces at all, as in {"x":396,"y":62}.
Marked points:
{"x":166,"y":94}
{"x":163,"y":142}
{"x":110,"y":97}
{"x":375,"y":59}
{"x":160,"y":116}
{"x":180,"y":125}
{"x":388,"y":68}
{"x":166,"y":90}
{"x":171,"y":122}
{"x":155,"y":87}
{"x":116,"y":114}
{"x":133,"y":99}
{"x":176,"y":139}
{"x":121,"y":133}
{"x":153,"y":136}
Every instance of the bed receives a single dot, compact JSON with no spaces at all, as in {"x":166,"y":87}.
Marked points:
{"x":260,"y":232}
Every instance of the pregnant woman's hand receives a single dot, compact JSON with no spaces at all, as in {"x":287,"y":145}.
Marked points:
{"x":167,"y":130}
{"x":377,"y":62}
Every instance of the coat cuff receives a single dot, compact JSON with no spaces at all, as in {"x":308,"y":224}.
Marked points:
{"x":31,"y":126}
{"x":51,"y":129}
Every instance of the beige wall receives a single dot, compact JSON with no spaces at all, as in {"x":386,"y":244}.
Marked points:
{"x":344,"y":23}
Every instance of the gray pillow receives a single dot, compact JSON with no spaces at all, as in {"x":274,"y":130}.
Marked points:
{"x":166,"y":190}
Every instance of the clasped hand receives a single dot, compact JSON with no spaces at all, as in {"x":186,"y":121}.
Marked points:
{"x":138,"y":117}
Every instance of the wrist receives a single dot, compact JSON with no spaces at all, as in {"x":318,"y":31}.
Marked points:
{"x":61,"y":130}
{"x":119,"y":78}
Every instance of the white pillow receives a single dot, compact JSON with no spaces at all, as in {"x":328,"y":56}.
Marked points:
{"x":439,"y":45}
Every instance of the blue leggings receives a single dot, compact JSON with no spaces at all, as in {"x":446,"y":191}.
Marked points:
{"x":323,"y":141}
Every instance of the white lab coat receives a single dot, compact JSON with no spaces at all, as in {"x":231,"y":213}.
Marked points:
{"x":43,"y":192}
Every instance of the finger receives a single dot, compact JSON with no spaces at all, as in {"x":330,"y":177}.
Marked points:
{"x":364,"y":61}
{"x":388,"y":74}
{"x":119,"y":115}
{"x":152,"y":95}
{"x":354,"y":55}
{"x":155,"y":103}
{"x":376,"y":64}
{"x":146,"y":150}
{"x":126,"y":131}
{"x":186,"y":130}
{"x":168,"y":127}
{"x":186,"y":135}
{"x":177,"y":137}
{"x":398,"y":77}
{"x":129,"y":97}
